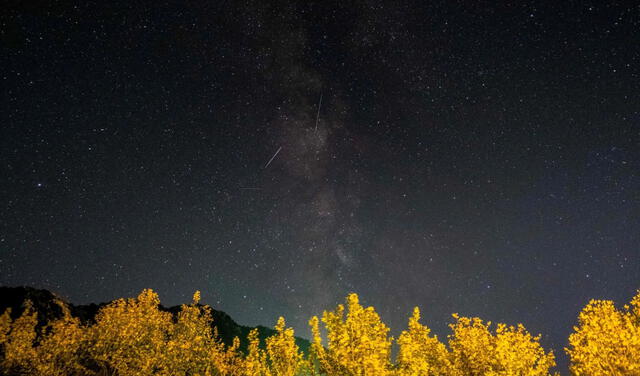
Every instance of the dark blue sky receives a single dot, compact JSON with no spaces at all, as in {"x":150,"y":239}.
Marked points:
{"x":475,"y":158}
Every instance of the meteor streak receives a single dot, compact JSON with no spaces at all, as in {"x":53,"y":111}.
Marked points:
{"x":272,"y":158}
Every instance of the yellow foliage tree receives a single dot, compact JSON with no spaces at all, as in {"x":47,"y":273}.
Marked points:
{"x":420,"y":353}
{"x":191,"y":344}
{"x":255,"y":362}
{"x":18,"y":346}
{"x":357,"y":345}
{"x":5,"y":329}
{"x":606,"y":340}
{"x":517,"y":352}
{"x":62,"y":346}
{"x":471,"y":346}
{"x":285,"y":359}
{"x":129,"y":336}
{"x":227,"y":360}
{"x":512,"y":350}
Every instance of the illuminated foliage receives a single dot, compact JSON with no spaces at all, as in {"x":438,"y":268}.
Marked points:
{"x":227,"y":361}
{"x":420,"y":353}
{"x":63,"y":344}
{"x":18,"y":349}
{"x":606,"y":340}
{"x":191,"y":345}
{"x":255,"y":362}
{"x":285,"y":359}
{"x":129,"y":336}
{"x":5,"y":328}
{"x":357,"y":345}
{"x":132,"y":337}
{"x":511,"y":351}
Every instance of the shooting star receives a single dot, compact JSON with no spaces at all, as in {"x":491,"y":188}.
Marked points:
{"x":318,"y":114}
{"x":272,"y":158}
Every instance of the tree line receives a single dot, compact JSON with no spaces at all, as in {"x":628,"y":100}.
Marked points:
{"x":134,"y":337}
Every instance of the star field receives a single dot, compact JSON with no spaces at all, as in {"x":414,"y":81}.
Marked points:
{"x":476,"y":158}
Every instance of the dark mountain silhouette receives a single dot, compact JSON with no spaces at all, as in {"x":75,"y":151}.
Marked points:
{"x":45,"y":304}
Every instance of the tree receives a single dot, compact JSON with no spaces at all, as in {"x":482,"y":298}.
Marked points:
{"x":255,"y":362}
{"x":511,"y":351}
{"x":357,"y":345}
{"x":62,"y":346}
{"x":285,"y":359}
{"x":420,"y":353}
{"x":129,"y":336}
{"x":18,"y":341}
{"x":192,"y":345}
{"x":606,"y":340}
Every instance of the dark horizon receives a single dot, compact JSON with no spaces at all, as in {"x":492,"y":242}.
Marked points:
{"x":473,"y":158}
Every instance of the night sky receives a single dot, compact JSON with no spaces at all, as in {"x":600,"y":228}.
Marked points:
{"x":471,"y":157}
